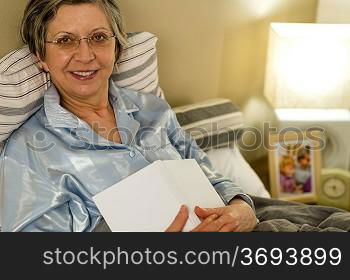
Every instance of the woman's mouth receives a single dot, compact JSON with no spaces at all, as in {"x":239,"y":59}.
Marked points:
{"x":84,"y":75}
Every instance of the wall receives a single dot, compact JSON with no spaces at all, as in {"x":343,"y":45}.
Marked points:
{"x":215,"y":48}
{"x":212,"y":48}
{"x":333,"y":11}
{"x":10,"y":17}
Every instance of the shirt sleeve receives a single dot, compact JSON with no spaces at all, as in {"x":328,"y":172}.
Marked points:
{"x":31,"y":203}
{"x":188,"y":149}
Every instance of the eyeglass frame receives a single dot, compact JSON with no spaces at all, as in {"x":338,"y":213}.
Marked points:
{"x":55,"y":42}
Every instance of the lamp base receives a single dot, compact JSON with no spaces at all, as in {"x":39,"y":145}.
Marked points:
{"x":336,"y":126}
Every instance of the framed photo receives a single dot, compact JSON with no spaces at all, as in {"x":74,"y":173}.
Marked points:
{"x":295,"y":165}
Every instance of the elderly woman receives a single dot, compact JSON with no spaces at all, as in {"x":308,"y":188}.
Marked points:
{"x":89,"y":134}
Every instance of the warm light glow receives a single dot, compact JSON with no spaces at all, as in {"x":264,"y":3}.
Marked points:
{"x":313,"y":68}
{"x":263,"y":8}
{"x":308,"y":66}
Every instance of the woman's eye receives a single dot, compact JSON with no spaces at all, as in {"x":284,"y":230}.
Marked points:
{"x":64,"y":40}
{"x":99,"y":37}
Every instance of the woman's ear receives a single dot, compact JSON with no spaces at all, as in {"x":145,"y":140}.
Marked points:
{"x":42,"y":64}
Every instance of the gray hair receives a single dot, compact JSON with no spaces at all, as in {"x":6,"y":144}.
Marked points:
{"x":39,"y":13}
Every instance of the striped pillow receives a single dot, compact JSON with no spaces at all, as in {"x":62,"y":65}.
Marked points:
{"x":22,"y":83}
{"x":214,"y":123}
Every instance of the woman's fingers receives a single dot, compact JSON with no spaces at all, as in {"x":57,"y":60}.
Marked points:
{"x":205,"y":212}
{"x":180,"y":220}
{"x":235,"y":217}
{"x":228,"y":227}
{"x":205,"y":222}
{"x":215,"y":224}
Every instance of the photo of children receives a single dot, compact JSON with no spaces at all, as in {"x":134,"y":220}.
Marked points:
{"x":287,"y":172}
{"x":295,"y":169}
{"x":303,"y":169}
{"x":295,"y":165}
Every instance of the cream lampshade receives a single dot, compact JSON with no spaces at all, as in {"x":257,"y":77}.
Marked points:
{"x":308,"y":83}
{"x":308,"y":66}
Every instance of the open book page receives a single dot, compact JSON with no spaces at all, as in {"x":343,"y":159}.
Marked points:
{"x":150,"y":199}
{"x":192,"y":187}
{"x":141,"y":202}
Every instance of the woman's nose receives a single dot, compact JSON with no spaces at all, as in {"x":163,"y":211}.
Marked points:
{"x":84,"y":52}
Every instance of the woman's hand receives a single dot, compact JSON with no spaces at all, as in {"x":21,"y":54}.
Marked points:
{"x":238,"y":216}
{"x":180,"y":220}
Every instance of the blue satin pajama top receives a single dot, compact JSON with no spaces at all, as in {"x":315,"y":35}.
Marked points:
{"x":54,"y":163}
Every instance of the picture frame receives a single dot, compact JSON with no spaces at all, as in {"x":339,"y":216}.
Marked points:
{"x":295,"y":165}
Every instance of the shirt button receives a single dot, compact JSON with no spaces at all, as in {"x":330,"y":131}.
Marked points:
{"x":132,"y":154}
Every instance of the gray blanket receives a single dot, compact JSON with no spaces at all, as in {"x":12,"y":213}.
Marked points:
{"x":283,"y":216}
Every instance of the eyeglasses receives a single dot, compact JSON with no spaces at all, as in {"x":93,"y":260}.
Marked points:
{"x":70,"y":42}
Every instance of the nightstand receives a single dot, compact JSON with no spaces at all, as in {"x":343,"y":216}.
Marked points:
{"x":261,"y":167}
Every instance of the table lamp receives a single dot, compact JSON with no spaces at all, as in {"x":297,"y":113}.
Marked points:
{"x":307,"y":81}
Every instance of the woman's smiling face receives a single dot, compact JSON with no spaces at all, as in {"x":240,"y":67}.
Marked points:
{"x":84,"y":71}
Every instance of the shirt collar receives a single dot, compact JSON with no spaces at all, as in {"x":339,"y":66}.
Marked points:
{"x":120,"y":97}
{"x":60,"y":117}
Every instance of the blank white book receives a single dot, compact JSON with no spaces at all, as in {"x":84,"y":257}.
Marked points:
{"x":148,"y":200}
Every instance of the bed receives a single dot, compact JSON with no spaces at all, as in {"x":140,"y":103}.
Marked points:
{"x":216,"y":125}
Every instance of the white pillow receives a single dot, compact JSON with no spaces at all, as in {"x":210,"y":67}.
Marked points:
{"x":230,"y":163}
{"x":22,"y":83}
